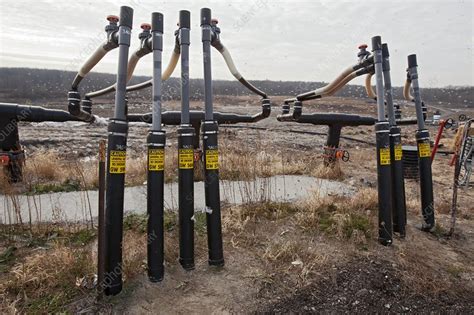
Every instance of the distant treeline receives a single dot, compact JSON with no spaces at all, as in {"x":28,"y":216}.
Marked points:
{"x":41,"y":85}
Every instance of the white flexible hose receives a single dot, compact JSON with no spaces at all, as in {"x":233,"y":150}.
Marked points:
{"x":92,"y":61}
{"x":328,"y":88}
{"x":132,"y":63}
{"x":368,"y":86}
{"x":341,"y":84}
{"x":406,"y":91}
{"x":230,"y":63}
{"x":171,"y":66}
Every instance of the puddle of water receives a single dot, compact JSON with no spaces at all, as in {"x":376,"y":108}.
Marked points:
{"x":81,"y":205}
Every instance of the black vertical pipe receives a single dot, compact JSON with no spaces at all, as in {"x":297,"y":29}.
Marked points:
{"x":424,"y":151}
{"x":398,"y":185}
{"x":101,"y":251}
{"x":211,"y":152}
{"x":399,"y":213}
{"x":213,"y":202}
{"x":116,"y":157}
{"x":155,"y":204}
{"x":426,"y":179}
{"x":332,"y":143}
{"x":186,"y":196}
{"x":186,"y":136}
{"x":156,"y":141}
{"x":383,"y":151}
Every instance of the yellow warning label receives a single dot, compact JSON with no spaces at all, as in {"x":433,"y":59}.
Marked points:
{"x":398,"y":152}
{"x":156,"y":159}
{"x":117,"y":162}
{"x":212,"y":159}
{"x":384,"y":156}
{"x":186,"y":158}
{"x":424,"y":150}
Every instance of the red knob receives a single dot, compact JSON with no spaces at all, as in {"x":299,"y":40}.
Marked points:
{"x":146,"y":26}
{"x":112,"y":18}
{"x":214,"y":21}
{"x":363,"y":46}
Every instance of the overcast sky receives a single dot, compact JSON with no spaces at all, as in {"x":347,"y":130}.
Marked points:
{"x":275,"y":40}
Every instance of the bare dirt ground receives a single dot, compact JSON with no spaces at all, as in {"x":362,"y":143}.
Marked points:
{"x":313,"y":256}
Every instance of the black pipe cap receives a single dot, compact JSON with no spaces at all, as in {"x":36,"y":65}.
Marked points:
{"x":157,"y":22}
{"x":205,"y":16}
{"x":412,"y":61}
{"x":126,"y":16}
{"x":376,"y":43}
{"x":385,"y":52}
{"x":184,"y":19}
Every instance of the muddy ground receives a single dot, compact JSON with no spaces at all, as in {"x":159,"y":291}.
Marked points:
{"x":275,"y":265}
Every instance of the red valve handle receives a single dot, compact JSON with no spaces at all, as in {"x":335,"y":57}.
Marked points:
{"x":146,"y":26}
{"x":215,"y":21}
{"x":112,"y":18}
{"x":363,"y":46}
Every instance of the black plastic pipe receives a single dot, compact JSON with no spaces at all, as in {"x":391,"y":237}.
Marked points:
{"x":332,"y":143}
{"x":382,"y":130}
{"x":173,"y":118}
{"x":101,"y":251}
{"x":156,"y":141}
{"x":185,"y":154}
{"x":211,"y":152}
{"x":10,"y":115}
{"x":424,"y":151}
{"x":116,"y":157}
{"x":398,"y":184}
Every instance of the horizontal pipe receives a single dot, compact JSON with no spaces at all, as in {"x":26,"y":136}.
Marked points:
{"x":332,"y":119}
{"x":31,"y":113}
{"x":173,"y":118}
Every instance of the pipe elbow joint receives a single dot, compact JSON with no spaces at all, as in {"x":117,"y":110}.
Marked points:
{"x":112,"y":41}
{"x":285,"y":108}
{"x":75,"y":109}
{"x":87,"y":105}
{"x":266,"y":108}
{"x":297,"y":110}
{"x":74,"y":102}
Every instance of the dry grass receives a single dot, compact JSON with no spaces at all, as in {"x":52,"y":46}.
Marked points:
{"x":333,"y":172}
{"x":46,"y":172}
{"x":46,"y":280}
{"x":343,"y":217}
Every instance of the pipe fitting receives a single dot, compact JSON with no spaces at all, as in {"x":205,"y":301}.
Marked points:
{"x":112,"y":32}
{"x":297,"y":109}
{"x":285,"y":108}
{"x":75,"y":109}
{"x":145,"y":40}
{"x":87,"y":105}
{"x":266,"y":107}
{"x":363,"y":53}
{"x":74,"y":102}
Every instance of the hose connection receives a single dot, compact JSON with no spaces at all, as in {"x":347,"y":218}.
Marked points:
{"x":363,"y":53}
{"x":112,"y":32}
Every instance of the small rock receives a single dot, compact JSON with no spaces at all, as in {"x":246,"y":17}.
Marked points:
{"x":388,"y":306}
